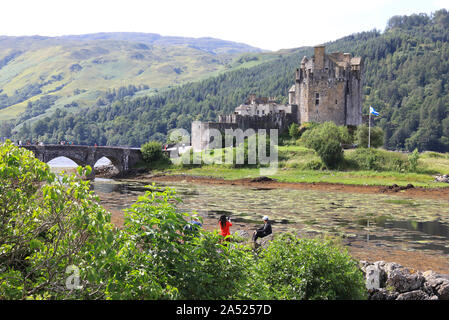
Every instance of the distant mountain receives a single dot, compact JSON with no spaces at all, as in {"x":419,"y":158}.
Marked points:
{"x":77,"y":70}
{"x":210,"y":45}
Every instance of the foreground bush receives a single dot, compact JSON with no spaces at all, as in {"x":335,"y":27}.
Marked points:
{"x":292,"y":268}
{"x":57,"y":242}
{"x":49,"y":229}
{"x":197,"y":265}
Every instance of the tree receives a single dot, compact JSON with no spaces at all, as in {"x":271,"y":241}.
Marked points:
{"x":376,"y":136}
{"x":48,"y":224}
{"x":152,"y":151}
{"x":326,"y":140}
{"x":6,"y":129}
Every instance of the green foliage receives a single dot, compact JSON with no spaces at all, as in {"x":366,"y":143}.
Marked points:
{"x":152,"y":151}
{"x":367,"y":159}
{"x":199,"y":267}
{"x":292,"y":268}
{"x":326,"y":140}
{"x":293,"y":131}
{"x":376,"y":136}
{"x":48,"y":224}
{"x":376,"y":159}
{"x":413,"y":160}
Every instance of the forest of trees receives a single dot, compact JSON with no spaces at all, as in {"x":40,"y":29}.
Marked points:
{"x":406,"y":80}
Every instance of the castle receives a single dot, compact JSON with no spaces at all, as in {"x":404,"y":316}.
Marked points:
{"x":328,"y":87}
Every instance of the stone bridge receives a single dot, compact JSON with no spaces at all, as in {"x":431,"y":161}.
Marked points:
{"x":121,"y":157}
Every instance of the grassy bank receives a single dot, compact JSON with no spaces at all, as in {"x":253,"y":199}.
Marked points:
{"x":299,"y":164}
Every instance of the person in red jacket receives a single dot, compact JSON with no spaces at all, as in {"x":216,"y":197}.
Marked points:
{"x":225,"y":223}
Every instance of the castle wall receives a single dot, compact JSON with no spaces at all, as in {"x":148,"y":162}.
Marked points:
{"x":202,"y":134}
{"x":354,"y":110}
{"x":331,"y":97}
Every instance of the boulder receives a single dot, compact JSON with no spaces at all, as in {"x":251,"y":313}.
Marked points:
{"x":391,"y":281}
{"x":442,"y":178}
{"x":438,"y":284}
{"x":265,"y":241}
{"x":413,"y":295}
{"x":402,"y":280}
{"x":383,"y":294}
{"x":375,"y":276}
{"x":443,"y":291}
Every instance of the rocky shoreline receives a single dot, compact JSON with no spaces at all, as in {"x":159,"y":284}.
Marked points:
{"x":392,"y":281}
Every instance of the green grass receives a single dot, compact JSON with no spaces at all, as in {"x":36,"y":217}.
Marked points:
{"x":369,"y":178}
{"x":293,"y":159}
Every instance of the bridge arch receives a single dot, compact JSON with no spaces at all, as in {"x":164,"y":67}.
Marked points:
{"x":77,"y":161}
{"x":121,"y":157}
{"x":115,"y":161}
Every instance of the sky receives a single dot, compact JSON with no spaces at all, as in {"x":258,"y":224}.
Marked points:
{"x":270,"y":25}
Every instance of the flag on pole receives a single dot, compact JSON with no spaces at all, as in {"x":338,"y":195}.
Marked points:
{"x":372,"y":111}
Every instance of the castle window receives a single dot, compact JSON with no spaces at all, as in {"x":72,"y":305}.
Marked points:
{"x":317,"y":99}
{"x":263,"y":111}
{"x":336,"y":102}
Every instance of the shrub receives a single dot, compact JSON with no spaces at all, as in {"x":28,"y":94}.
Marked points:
{"x":413,"y":160}
{"x":331,"y":153}
{"x":293,"y":131}
{"x":376,"y":137}
{"x":50,"y":224}
{"x":313,"y":165}
{"x":152,"y":151}
{"x":367,"y":159}
{"x":325,"y":139}
{"x":198,"y":267}
{"x":292,"y":268}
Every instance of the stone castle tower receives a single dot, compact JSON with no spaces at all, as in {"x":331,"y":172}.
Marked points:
{"x":328,"y":87}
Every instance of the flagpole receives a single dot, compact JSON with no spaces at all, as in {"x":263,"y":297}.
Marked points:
{"x":369,"y":130}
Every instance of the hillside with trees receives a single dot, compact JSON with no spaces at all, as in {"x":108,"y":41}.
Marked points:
{"x":79,"y":69}
{"x":406,"y":80}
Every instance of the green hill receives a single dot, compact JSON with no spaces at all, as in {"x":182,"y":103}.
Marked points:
{"x":79,"y":69}
{"x":406,"y":80}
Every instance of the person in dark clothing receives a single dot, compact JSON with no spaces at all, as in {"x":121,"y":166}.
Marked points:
{"x":263,"y":231}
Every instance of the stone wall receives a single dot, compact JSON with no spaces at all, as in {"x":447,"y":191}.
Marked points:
{"x":331,"y":97}
{"x":201,"y":131}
